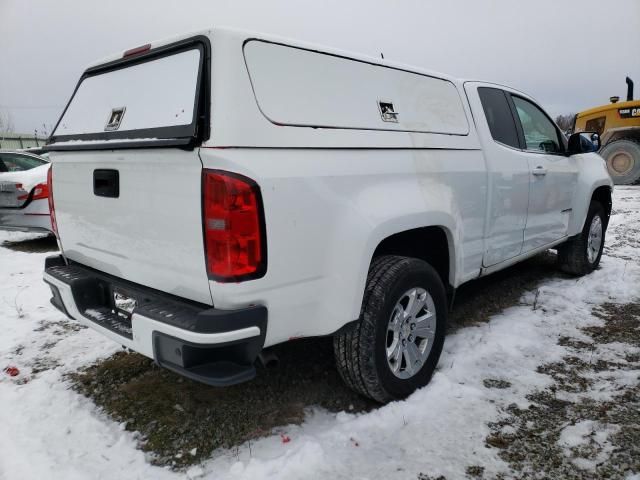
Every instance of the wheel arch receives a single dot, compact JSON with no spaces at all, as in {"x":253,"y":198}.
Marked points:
{"x":620,"y":133}
{"x":603,"y":194}
{"x":391,"y":237}
{"x":593,"y":182}
{"x":433,"y":244}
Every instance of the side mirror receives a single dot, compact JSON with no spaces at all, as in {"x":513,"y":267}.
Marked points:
{"x":584,"y":142}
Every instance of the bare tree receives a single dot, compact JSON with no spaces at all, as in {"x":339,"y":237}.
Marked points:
{"x":565,"y":122}
{"x":6,"y":122}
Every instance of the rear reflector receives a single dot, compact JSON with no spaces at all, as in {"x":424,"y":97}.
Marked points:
{"x":52,"y":210}
{"x":136,"y":51}
{"x":233,"y":223}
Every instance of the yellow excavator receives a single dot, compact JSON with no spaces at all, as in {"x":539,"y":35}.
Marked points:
{"x":618,"y":125}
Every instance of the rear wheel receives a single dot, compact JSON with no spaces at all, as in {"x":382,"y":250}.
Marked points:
{"x":581,"y":255}
{"x":623,"y":160}
{"x":395,"y":345}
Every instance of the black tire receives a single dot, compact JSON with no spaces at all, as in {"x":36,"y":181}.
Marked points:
{"x":360,"y":348}
{"x":573,"y":256}
{"x":623,"y":160}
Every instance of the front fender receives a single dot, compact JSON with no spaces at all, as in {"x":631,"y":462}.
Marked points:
{"x":592,"y":174}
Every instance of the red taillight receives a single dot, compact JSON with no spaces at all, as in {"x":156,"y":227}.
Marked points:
{"x":40,"y":192}
{"x":233,"y":223}
{"x":52,"y":210}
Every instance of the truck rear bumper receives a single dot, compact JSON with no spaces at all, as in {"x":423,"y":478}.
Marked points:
{"x":216,"y":347}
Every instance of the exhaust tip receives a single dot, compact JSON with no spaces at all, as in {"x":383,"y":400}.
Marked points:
{"x":268,"y":359}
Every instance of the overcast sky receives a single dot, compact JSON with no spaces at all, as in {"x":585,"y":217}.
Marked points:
{"x":569,"y":54}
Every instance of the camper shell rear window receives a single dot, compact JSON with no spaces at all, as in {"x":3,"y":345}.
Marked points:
{"x":157,"y":98}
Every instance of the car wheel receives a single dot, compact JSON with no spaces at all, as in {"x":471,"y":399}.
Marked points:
{"x":394,"y":347}
{"x":581,"y":255}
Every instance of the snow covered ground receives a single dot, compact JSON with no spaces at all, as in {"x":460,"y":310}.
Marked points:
{"x":50,"y":431}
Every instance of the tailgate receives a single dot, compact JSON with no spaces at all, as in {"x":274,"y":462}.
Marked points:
{"x":127,"y":201}
{"x":134,"y":214}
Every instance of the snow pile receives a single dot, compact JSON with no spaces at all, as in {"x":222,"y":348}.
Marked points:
{"x":588,"y":433}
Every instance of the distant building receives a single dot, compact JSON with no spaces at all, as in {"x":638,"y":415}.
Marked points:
{"x":12,"y":141}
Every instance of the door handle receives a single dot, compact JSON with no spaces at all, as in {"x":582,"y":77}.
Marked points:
{"x":540,"y":170}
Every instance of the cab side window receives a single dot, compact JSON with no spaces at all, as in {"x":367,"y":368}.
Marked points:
{"x":540,"y":133}
{"x":596,"y":125}
{"x":498,"y":113}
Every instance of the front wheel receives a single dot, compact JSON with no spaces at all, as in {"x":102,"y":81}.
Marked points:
{"x":395,"y":345}
{"x":581,"y":255}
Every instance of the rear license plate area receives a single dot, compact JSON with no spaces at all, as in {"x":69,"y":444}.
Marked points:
{"x":124,"y":303}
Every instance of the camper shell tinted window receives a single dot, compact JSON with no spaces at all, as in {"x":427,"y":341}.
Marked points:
{"x":156,"y":96}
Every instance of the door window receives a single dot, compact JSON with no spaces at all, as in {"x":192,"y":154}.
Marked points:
{"x":540,"y":133}
{"x":499,"y":117}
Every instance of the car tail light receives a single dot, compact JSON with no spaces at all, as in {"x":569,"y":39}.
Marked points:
{"x":52,"y":210}
{"x":40,"y":192}
{"x":234,"y":229}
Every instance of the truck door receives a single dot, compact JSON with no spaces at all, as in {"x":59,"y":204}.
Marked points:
{"x":508,"y":172}
{"x":553,"y":177}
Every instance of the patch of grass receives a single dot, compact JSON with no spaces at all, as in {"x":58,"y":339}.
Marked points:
{"x":568,"y":374}
{"x":175,"y":415}
{"x":477,"y":301}
{"x":34,"y":245}
{"x":574,"y":343}
{"x":495,"y":383}
{"x":42,"y":364}
{"x":60,"y":327}
{"x":622,"y":324}
{"x":475,"y":471}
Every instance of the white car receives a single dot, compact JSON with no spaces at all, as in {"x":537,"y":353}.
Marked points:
{"x":228,"y":191}
{"x":24,"y":193}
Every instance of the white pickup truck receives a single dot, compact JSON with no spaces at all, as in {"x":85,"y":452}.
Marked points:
{"x":220,"y":193}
